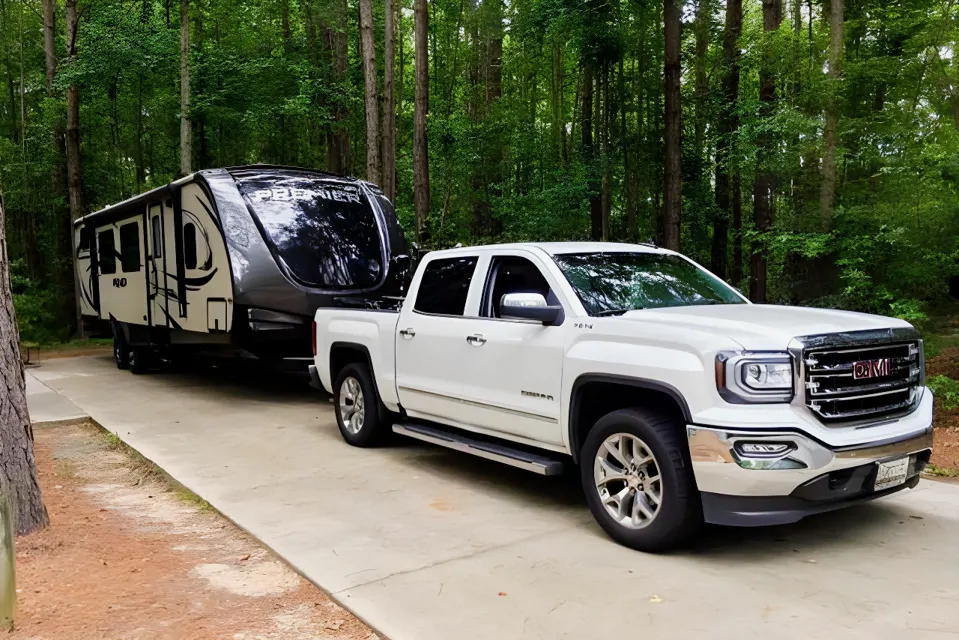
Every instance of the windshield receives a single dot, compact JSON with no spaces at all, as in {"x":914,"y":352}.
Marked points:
{"x":614,"y":283}
{"x":324,"y":231}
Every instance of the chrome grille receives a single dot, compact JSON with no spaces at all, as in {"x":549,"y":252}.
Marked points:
{"x":835,"y":394}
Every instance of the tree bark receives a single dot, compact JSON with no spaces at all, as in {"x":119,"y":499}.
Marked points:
{"x":631,"y":227}
{"x":18,"y":470}
{"x":763,"y":186}
{"x":74,"y":175}
{"x":389,"y":105}
{"x":186,"y":126}
{"x":368,"y":55}
{"x":672,"y":179}
{"x":14,"y":132}
{"x":827,"y":193}
{"x":701,"y":32}
{"x":49,"y":41}
{"x":421,"y":167}
{"x":728,"y":125}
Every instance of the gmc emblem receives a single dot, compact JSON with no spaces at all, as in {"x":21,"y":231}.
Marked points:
{"x":871,"y":368}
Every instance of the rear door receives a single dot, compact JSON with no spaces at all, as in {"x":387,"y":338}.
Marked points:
{"x":431,"y":345}
{"x":156,"y":268}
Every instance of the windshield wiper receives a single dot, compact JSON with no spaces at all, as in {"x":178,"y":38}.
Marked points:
{"x":611,"y":312}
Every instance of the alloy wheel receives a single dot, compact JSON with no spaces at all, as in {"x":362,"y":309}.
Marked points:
{"x":628,"y":479}
{"x":352,"y":407}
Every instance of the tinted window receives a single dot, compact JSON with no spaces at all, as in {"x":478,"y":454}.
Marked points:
{"x":85,"y":238}
{"x":614,"y":283}
{"x":324,"y":231}
{"x":445,"y":285}
{"x":107,"y":250}
{"x":130,"y":247}
{"x":189,"y":245}
{"x":157,"y":237}
{"x":512,"y":274}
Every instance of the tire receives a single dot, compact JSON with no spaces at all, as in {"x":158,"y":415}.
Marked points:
{"x":367,"y":426}
{"x":657,"y":439}
{"x":139,"y":360}
{"x":121,"y":351}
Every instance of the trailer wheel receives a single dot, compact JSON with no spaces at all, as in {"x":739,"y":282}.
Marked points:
{"x":357,"y":406}
{"x":121,"y":351}
{"x":139,"y":360}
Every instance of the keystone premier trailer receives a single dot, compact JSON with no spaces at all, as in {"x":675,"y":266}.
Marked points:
{"x":236,"y":259}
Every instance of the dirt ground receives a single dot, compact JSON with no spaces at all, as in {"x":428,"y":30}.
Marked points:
{"x":945,"y":453}
{"x":127,"y":558}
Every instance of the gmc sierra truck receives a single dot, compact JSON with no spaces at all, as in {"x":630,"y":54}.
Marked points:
{"x":679,"y":400}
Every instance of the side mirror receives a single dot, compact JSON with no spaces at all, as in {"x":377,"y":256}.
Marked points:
{"x":529,"y":306}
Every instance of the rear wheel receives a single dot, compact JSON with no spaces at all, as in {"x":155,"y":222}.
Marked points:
{"x":139,"y":359}
{"x":638,"y":480}
{"x":357,"y":405}
{"x":121,"y":352}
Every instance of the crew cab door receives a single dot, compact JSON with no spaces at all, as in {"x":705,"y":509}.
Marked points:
{"x":430,"y":342}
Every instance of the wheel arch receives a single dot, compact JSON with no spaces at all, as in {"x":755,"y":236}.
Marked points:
{"x":618,"y":392}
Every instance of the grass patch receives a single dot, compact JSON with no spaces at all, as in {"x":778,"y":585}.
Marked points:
{"x":941,"y":472}
{"x":935,"y":343}
{"x":946,"y":389}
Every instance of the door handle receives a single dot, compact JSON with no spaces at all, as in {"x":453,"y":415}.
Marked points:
{"x":477,"y":339}
{"x":407,"y":333}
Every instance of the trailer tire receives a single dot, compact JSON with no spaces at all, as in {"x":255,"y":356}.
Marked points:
{"x":650,"y":502}
{"x":359,"y":416}
{"x":121,"y":351}
{"x":139,"y":360}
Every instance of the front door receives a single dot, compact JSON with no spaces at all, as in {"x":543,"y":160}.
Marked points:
{"x":514,"y":368}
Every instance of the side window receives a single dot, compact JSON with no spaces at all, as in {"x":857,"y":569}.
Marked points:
{"x":157,"y":236}
{"x":84,"y":239}
{"x":512,"y":274}
{"x":445,"y":285}
{"x":189,"y":245}
{"x":130,"y":247}
{"x":107,"y":254}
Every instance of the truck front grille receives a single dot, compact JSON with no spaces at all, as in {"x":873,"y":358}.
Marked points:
{"x":860,"y":382}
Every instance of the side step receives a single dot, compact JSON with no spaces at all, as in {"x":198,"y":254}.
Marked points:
{"x":497,"y":452}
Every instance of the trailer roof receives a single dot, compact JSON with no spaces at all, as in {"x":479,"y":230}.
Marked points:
{"x":167,"y":189}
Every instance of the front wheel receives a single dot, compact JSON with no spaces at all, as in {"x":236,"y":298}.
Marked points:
{"x":357,"y":407}
{"x":638,"y":479}
{"x":121,"y":352}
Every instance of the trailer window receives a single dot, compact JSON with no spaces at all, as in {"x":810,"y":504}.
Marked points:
{"x":157,"y":237}
{"x":130,"y":247}
{"x":189,"y":245}
{"x":84,"y":239}
{"x":445,"y":286}
{"x":107,"y":257}
{"x":324,"y":231}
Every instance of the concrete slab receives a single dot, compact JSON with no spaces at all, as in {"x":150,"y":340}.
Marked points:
{"x":46,"y":405}
{"x":425,"y":543}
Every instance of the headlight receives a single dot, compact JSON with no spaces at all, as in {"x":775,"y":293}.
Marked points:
{"x":754,"y":377}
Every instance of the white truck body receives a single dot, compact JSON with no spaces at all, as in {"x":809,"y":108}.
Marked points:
{"x":523,"y":382}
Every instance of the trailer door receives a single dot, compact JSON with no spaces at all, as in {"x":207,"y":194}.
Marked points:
{"x":122,"y":280}
{"x":158,"y":285}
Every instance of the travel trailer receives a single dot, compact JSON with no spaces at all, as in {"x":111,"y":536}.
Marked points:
{"x":236,"y":260}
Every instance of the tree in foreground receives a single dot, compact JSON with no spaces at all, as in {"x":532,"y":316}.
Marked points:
{"x":18,"y":469}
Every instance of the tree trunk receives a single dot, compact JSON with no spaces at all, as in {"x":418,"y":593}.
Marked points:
{"x":186,"y":127}
{"x":589,"y":155}
{"x":624,"y":143}
{"x":6,"y":58}
{"x":368,"y":55}
{"x":672,"y":179}
{"x":763,"y":186}
{"x":827,"y":193}
{"x":728,"y":124}
{"x":737,"y":272}
{"x":701,"y":31}
{"x":74,"y":175}
{"x":18,"y":470}
{"x":389,"y":105}
{"x":49,"y":41}
{"x":421,"y":159}
{"x":338,"y":155}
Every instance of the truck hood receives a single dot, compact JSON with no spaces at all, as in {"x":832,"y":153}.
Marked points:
{"x":762,"y":327}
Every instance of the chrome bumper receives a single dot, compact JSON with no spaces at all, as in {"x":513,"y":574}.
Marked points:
{"x":722,"y":466}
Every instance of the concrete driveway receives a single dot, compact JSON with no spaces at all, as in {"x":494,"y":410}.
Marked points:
{"x":424,"y":543}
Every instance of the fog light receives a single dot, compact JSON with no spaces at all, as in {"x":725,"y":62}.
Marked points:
{"x":764,"y":449}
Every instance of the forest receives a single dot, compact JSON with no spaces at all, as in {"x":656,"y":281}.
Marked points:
{"x":807,"y":151}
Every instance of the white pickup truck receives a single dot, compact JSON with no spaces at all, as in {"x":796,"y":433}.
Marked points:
{"x":679,"y":400}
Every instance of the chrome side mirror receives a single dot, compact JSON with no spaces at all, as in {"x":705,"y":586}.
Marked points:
{"x":529,"y":306}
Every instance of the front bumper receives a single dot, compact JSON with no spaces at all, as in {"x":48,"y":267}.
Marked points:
{"x":765,"y":486}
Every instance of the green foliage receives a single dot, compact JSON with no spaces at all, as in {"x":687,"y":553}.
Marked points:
{"x":34,"y":308}
{"x":946,"y":389}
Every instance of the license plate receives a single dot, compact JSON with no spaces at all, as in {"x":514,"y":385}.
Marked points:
{"x":892,"y":473}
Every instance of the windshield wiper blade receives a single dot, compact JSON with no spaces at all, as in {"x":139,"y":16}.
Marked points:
{"x":611,"y":312}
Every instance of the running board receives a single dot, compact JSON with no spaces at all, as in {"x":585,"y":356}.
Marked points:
{"x":496,"y":452}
